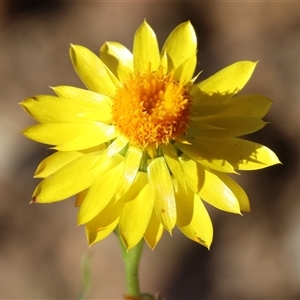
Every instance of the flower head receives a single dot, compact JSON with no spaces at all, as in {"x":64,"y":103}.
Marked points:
{"x":144,"y":146}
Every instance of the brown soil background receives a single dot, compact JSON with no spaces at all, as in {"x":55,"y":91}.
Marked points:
{"x":256,"y":256}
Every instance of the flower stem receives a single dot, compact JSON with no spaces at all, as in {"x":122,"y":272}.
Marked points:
{"x":131,"y":260}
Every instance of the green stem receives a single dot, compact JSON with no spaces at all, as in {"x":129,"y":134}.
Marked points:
{"x":86,"y":268}
{"x":131,"y":260}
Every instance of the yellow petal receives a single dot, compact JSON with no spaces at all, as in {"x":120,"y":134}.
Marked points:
{"x":136,"y":212}
{"x":104,"y":134}
{"x":215,"y":192}
{"x":229,"y":80}
{"x":55,"y":162}
{"x":254,"y":156}
{"x":154,"y":231}
{"x":251,"y":105}
{"x":194,"y":173}
{"x":162,"y":187}
{"x":102,"y":190}
{"x":112,"y":150}
{"x":200,"y":228}
{"x":186,"y":69}
{"x":92,"y":106}
{"x":131,"y":166}
{"x":214,"y":107}
{"x":108,"y":152}
{"x":201,"y":152}
{"x":164,"y":62}
{"x":180,"y":45}
{"x":52,"y":109}
{"x":116,"y":146}
{"x":92,"y":71}
{"x":241,"y":154}
{"x":227,"y":126}
{"x":96,"y":232}
{"x":80,"y":197}
{"x":118,"y":59}
{"x":170,"y":155}
{"x":237,"y":190}
{"x":70,"y":137}
{"x":69,"y":180}
{"x":184,"y":204}
{"x":104,"y":223}
{"x":224,"y":84}
{"x":145,"y":49}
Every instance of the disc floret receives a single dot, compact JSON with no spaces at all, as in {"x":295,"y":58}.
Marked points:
{"x":152,"y":108}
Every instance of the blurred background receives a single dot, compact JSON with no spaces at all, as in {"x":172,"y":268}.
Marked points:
{"x":256,"y":256}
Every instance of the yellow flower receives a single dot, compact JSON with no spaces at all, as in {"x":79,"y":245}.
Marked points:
{"x":145,"y":145}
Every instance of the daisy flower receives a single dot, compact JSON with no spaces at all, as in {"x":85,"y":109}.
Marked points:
{"x":145,"y":146}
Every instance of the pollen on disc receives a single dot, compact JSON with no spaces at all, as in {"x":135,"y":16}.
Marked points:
{"x":152,"y":108}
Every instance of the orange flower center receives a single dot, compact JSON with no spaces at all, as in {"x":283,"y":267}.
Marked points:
{"x":151,"y":109}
